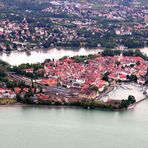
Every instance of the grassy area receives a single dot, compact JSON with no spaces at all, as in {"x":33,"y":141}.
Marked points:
{"x":6,"y":101}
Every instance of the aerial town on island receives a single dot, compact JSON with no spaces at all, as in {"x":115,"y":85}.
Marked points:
{"x":77,"y":81}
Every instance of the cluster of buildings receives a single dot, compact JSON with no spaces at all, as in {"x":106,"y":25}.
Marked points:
{"x":89,"y":79}
{"x":89,"y":75}
{"x":23,"y":36}
{"x":72,"y":24}
{"x":10,"y":93}
{"x":7,"y":93}
{"x":129,"y":29}
{"x":19,"y":36}
{"x":70,"y":80}
{"x":113,"y":10}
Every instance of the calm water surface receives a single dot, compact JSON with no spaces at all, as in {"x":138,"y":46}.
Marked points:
{"x":34,"y":127}
{"x":17,"y":58}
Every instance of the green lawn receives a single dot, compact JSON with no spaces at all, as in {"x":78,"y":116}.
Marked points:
{"x":6,"y":101}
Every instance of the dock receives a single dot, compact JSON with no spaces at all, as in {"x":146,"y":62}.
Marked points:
{"x":132,"y":106}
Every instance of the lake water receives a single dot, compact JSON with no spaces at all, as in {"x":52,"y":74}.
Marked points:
{"x":40,"y":127}
{"x":17,"y":58}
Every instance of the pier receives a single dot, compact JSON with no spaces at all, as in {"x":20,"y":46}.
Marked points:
{"x":132,"y":106}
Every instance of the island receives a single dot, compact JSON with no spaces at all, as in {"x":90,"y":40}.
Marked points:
{"x":75,"y":81}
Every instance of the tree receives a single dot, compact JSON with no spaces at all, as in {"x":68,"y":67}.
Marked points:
{"x":10,"y":84}
{"x":128,"y":53}
{"x":2,"y":74}
{"x":124,"y":104}
{"x":138,"y":63}
{"x":132,"y":78}
{"x":18,"y":97}
{"x":131,"y":99}
{"x":117,"y":63}
{"x":105,"y":77}
{"x":94,"y":87}
{"x":41,"y":90}
{"x":29,"y":93}
{"x":109,"y":52}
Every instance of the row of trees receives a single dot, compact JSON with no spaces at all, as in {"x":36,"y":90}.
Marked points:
{"x":19,"y":70}
{"x":79,"y":59}
{"x":109,"y":52}
{"x":125,"y":103}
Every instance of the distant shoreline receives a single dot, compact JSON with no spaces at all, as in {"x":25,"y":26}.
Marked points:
{"x":55,"y":47}
{"x":67,"y":48}
{"x":65,"y":107}
{"x":43,"y":106}
{"x":40,"y":55}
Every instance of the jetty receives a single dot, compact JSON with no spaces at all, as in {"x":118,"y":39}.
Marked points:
{"x":132,"y":106}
